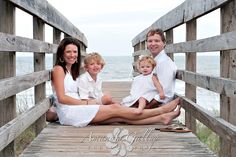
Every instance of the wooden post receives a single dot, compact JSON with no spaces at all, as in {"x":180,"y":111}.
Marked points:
{"x":56,"y":40}
{"x":39,"y":64}
{"x":228,"y":70}
{"x":190,"y":90}
{"x":169,"y":40}
{"x":7,"y":69}
{"x":142,"y":45}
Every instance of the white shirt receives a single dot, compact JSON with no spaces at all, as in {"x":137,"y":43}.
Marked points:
{"x":166,"y":71}
{"x":89,"y":88}
{"x":142,"y":86}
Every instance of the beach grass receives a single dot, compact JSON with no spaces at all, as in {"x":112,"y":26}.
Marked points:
{"x":24,"y":139}
{"x":209,"y":138}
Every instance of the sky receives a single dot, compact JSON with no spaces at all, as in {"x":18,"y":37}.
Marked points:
{"x":108,"y":25}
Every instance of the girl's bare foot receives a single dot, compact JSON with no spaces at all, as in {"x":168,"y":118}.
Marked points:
{"x":138,"y":111}
{"x":168,"y":117}
{"x":171,"y":106}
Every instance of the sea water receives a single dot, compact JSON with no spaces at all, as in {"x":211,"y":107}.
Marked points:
{"x":119,"y":68}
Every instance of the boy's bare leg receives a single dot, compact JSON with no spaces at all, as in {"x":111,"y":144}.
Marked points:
{"x":107,"y":100}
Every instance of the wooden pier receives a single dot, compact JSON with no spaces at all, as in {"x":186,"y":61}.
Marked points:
{"x":61,"y":141}
{"x":57,"y":140}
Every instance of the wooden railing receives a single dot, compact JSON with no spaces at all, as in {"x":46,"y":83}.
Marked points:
{"x":187,"y":13}
{"x":43,"y":13}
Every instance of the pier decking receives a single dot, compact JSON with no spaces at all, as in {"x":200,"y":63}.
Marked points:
{"x":60,"y":141}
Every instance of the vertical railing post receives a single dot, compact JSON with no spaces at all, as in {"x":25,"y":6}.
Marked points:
{"x":190,"y":90}
{"x":169,"y":40}
{"x":39,"y":64}
{"x":228,"y":70}
{"x":7,"y":69}
{"x":56,"y":40}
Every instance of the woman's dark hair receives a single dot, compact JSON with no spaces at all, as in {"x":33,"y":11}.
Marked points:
{"x":156,"y":31}
{"x":75,"y":69}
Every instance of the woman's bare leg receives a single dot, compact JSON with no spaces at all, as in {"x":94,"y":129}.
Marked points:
{"x":163,"y":118}
{"x":116,"y":111}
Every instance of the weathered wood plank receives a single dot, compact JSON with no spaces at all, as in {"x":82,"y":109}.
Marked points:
{"x":223,"y":128}
{"x":56,"y":140}
{"x":224,"y":86}
{"x":14,"y":128}
{"x":43,"y":10}
{"x":10,"y":42}
{"x":39,"y":64}
{"x":7,"y":69}
{"x":185,"y":12}
{"x":118,"y":90}
{"x":228,"y":70}
{"x":224,"y":41}
{"x":190,"y":65}
{"x":18,"y":84}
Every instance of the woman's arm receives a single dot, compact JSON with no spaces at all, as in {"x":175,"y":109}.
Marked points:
{"x":58,"y":77}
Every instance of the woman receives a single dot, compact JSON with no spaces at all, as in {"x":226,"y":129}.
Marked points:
{"x":72,"y":110}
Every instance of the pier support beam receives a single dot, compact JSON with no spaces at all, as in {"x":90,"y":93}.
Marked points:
{"x":228,"y":70}
{"x":39,"y":64}
{"x":7,"y":69}
{"x":190,"y":65}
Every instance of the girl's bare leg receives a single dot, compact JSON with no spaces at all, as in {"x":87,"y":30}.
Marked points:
{"x":116,"y":111}
{"x":141,"y":105}
{"x":163,"y":118}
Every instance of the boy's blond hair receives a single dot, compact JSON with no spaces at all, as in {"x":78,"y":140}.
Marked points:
{"x":94,"y":56}
{"x":148,"y":59}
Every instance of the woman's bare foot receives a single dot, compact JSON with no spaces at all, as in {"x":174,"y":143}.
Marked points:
{"x":168,"y":117}
{"x":171,"y":106}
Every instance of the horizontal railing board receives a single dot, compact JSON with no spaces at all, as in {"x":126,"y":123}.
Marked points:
{"x":216,"y":84}
{"x":223,"y":128}
{"x":17,"y":84}
{"x":14,"y":128}
{"x":45,"y":11}
{"x":188,"y":10}
{"x":10,"y":42}
{"x":221,"y":42}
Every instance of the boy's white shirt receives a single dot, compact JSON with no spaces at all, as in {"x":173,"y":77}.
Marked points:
{"x":89,"y":88}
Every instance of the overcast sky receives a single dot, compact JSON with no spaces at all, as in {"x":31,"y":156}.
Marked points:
{"x":109,"y":25}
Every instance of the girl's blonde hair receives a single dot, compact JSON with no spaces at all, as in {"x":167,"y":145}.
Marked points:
{"x":94,"y":56}
{"x":148,"y":59}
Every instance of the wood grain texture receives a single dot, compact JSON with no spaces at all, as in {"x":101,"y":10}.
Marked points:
{"x":187,"y":11}
{"x":46,"y":12}
{"x":18,"y":84}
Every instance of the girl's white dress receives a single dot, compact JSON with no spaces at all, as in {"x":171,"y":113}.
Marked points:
{"x":142,"y":86}
{"x":75,"y":115}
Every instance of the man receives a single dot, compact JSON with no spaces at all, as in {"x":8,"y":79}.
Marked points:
{"x":165,"y":68}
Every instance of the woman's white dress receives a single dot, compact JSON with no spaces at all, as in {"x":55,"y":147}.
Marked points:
{"x":142,"y":86}
{"x":75,"y":115}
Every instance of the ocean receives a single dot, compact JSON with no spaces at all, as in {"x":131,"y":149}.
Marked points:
{"x":119,"y":68}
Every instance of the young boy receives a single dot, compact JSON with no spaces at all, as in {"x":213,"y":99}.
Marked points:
{"x":89,"y":83}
